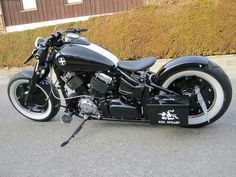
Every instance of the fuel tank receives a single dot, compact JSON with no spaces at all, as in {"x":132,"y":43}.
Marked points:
{"x":84,"y":56}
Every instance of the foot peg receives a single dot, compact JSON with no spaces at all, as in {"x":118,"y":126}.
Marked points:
{"x":66,"y":119}
{"x":76,"y":131}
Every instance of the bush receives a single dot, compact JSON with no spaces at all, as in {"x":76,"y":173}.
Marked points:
{"x":199,"y":27}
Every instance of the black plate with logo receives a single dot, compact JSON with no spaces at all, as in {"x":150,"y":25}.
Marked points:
{"x":168,"y":110}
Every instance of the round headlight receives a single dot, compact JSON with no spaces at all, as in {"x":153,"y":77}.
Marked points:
{"x":38,"y":41}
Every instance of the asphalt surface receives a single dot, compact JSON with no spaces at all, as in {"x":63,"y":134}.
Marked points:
{"x":110,"y":149}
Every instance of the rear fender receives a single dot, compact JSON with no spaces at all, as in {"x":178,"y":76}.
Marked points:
{"x":182,"y":63}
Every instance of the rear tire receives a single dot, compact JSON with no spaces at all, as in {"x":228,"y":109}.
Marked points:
{"x":215,"y":80}
{"x":44,"y":105}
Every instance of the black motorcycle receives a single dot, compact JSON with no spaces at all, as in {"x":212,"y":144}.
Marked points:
{"x":188,"y":91}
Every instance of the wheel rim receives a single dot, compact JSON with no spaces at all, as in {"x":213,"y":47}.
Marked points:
{"x":215,"y":95}
{"x":41,"y":106}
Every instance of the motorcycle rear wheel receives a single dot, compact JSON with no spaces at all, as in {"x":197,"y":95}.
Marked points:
{"x":214,"y":86}
{"x":44,"y":106}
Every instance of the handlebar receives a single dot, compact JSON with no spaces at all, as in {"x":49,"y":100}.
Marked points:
{"x":74,"y":30}
{"x":53,"y":40}
{"x":57,"y":35}
{"x":80,"y":30}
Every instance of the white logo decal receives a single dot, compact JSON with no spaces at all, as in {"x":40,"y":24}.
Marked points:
{"x":62,"y":61}
{"x":168,"y":115}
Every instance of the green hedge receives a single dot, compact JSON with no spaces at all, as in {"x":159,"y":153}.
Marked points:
{"x":200,"y":27}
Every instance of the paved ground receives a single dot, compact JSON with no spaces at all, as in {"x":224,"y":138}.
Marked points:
{"x":106,"y":149}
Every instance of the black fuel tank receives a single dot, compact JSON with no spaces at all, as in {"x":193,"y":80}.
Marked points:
{"x":77,"y":57}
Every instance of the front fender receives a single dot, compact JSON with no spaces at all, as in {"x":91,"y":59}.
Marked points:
{"x":182,"y":62}
{"x":29,"y":73}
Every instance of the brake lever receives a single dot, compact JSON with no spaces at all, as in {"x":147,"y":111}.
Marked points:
{"x":69,"y":30}
{"x":74,"y":30}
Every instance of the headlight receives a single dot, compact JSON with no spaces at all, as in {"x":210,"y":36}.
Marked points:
{"x":38,"y":41}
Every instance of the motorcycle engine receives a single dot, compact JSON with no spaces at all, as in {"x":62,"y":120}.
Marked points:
{"x":95,"y":88}
{"x":100,"y":84}
{"x":88,"y":107}
{"x":74,"y":82}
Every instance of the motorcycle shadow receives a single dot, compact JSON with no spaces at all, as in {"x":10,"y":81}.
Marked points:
{"x":100,"y":128}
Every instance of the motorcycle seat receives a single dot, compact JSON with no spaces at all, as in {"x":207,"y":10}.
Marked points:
{"x":137,"y":65}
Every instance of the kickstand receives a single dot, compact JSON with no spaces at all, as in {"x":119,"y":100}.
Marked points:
{"x":76,"y":131}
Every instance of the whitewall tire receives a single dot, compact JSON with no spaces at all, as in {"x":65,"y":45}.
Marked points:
{"x":49,"y":106}
{"x":218,"y":85}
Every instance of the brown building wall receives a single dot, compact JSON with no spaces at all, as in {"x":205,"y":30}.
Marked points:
{"x":2,"y":23}
{"x":58,"y":9}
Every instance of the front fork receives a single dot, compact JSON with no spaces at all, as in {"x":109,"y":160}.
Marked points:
{"x":32,"y":83}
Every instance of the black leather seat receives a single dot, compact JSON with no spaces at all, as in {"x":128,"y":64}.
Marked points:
{"x":137,"y":65}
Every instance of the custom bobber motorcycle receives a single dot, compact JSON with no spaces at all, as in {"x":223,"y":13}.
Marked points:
{"x":189,"y":91}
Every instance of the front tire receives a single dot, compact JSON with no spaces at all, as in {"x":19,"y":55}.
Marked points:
{"x":215,"y":88}
{"x":44,"y":106}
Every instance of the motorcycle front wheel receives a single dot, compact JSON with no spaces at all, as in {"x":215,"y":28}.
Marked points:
{"x":209,"y":91}
{"x":43,"y":107}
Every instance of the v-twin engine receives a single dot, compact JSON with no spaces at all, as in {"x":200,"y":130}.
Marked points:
{"x":88,"y":107}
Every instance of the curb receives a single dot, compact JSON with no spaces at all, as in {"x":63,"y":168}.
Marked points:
{"x":7,"y":73}
{"x":221,"y":60}
{"x":224,"y":60}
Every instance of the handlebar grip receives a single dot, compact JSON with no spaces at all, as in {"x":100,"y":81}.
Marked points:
{"x":82,"y":29}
